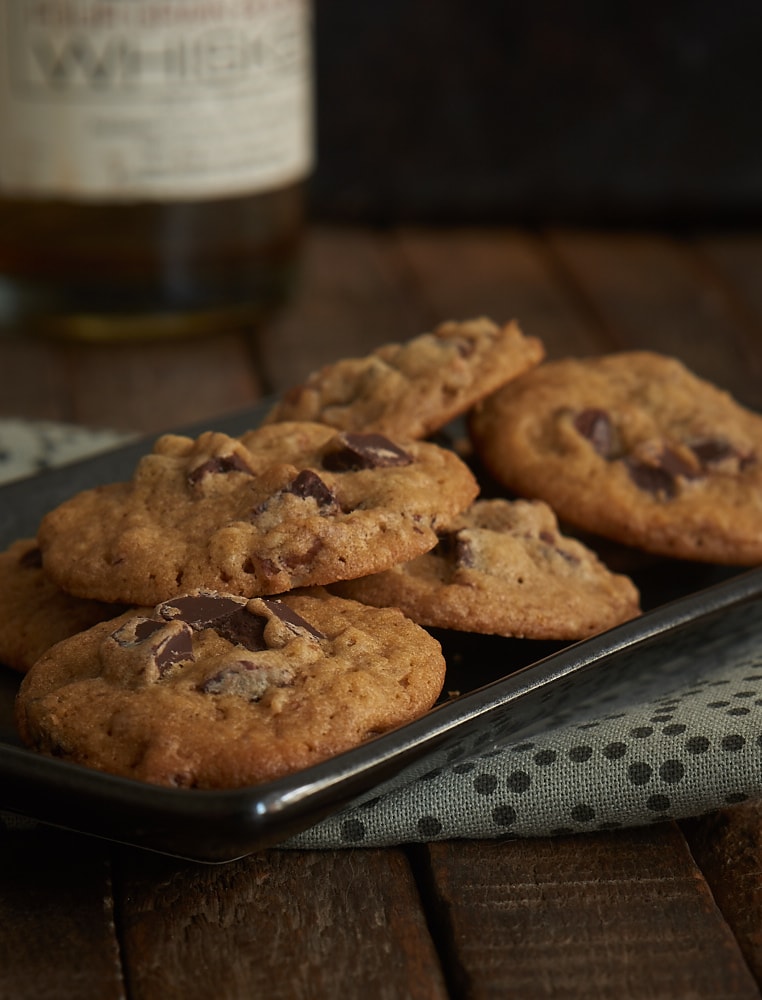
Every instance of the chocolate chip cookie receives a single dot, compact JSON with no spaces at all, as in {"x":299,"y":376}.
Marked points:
{"x":36,"y":613}
{"x":410,"y":390}
{"x":504,"y":568}
{"x":211,"y":690}
{"x":635,"y":447}
{"x":283,"y":506}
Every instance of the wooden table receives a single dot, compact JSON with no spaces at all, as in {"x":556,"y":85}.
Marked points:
{"x":669,"y":911}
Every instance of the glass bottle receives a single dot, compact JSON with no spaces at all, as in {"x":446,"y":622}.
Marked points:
{"x":153,"y":155}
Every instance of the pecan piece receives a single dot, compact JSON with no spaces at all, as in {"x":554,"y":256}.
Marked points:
{"x":247,"y":679}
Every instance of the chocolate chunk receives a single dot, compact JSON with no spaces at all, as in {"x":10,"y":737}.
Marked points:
{"x":455,"y":547}
{"x":31,"y":559}
{"x":595,"y":426}
{"x":219,"y":464}
{"x":674,"y":463}
{"x":716,"y":451}
{"x":200,"y":610}
{"x":173,"y":649}
{"x":350,"y":452}
{"x":243,"y":628}
{"x":445,"y":547}
{"x":247,"y":679}
{"x":464,"y":552}
{"x":309,"y":485}
{"x":289,"y":617}
{"x":658,"y":474}
{"x":652,"y":478}
{"x":170,"y":643}
{"x":711,"y":451}
{"x":247,"y":628}
{"x":136,"y":630}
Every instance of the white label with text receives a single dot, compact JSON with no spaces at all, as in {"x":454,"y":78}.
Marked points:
{"x":141,"y":99}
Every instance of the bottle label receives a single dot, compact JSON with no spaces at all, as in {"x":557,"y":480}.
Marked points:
{"x":154,"y":99}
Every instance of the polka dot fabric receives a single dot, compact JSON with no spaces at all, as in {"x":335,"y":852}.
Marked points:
{"x":695,"y":748}
{"x":28,"y":446}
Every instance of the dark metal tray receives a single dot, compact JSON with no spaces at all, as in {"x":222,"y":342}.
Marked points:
{"x":506,"y":690}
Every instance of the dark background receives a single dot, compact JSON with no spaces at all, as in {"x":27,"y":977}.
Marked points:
{"x":540,"y":112}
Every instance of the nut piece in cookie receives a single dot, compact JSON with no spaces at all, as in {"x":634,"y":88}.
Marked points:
{"x":412,"y":389}
{"x":37,"y":613}
{"x":210,"y":690}
{"x":504,"y":568}
{"x":633,"y":447}
{"x":284,"y":506}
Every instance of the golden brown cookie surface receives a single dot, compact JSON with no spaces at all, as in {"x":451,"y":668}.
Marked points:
{"x":283,"y":506}
{"x":210,"y":690}
{"x":412,"y":389}
{"x":36,"y":613}
{"x":634,"y":447}
{"x":505,"y":569}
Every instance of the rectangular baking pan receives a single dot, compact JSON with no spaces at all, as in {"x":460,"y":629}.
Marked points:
{"x":498,"y":691}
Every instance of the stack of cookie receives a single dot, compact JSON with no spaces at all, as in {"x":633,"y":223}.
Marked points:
{"x":280,"y":584}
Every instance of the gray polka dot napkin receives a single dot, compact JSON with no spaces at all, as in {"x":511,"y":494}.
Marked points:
{"x":689,"y":741}
{"x":29,"y":446}
{"x":681,"y":737}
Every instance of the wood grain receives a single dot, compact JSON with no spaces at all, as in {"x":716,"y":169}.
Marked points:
{"x":727,"y":846}
{"x":285,"y":925}
{"x":603,"y":916}
{"x":57,"y":936}
{"x":652,"y":292}
{"x":147,"y":387}
{"x":504,"y":274}
{"x":350,"y":299}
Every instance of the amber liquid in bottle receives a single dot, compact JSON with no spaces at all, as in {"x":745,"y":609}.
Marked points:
{"x":120,"y":271}
{"x":152,"y":162}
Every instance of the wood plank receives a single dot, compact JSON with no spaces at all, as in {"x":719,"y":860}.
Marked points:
{"x":738,"y":258}
{"x":504,"y":274}
{"x":34,"y":380}
{"x":350,"y":299}
{"x":277,"y":925}
{"x":655,"y":292}
{"x":737,"y":261}
{"x":134,"y":387}
{"x":162,"y":384}
{"x":615,"y":915}
{"x":57,"y":938}
{"x":727,"y":846}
